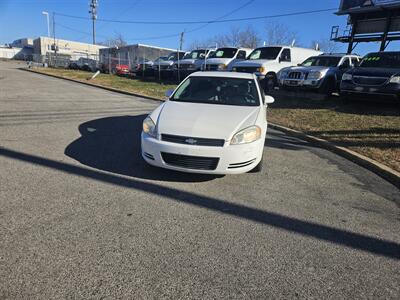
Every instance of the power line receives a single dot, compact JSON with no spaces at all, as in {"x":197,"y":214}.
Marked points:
{"x":219,"y":19}
{"x":203,"y":22}
{"x":78,"y":31}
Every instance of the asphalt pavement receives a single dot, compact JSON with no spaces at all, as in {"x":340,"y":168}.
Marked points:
{"x":83,"y":217}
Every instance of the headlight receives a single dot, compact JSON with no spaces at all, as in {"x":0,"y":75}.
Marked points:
{"x":347,"y":77}
{"x":261,"y":69}
{"x":395,"y":79}
{"x":234,"y":69}
{"x":149,"y":127}
{"x":222,"y":67}
{"x":315,"y":75}
{"x":282,"y":74}
{"x":246,"y":136}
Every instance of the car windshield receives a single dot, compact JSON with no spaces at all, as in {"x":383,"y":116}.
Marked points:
{"x":218,"y":90}
{"x":321,"y":61}
{"x":174,"y":56}
{"x":269,"y":53}
{"x":162,"y":58}
{"x":381,"y":60}
{"x":196,"y":54}
{"x":224,"y":53}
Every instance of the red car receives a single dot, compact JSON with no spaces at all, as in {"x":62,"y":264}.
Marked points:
{"x":122,"y":70}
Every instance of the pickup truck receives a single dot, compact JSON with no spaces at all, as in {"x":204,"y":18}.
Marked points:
{"x":164,"y":68}
{"x":266,"y":62}
{"x":223,"y":58}
{"x":191,"y":63}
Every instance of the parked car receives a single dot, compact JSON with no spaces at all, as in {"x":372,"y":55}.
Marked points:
{"x":191,"y":63}
{"x":122,"y":70}
{"x":377,"y":77}
{"x":266,"y":62}
{"x":213,"y":123}
{"x":144,"y":67}
{"x":87,"y":64}
{"x":164,"y":68}
{"x":321,"y":73}
{"x":223,"y":58}
{"x":73,"y":65}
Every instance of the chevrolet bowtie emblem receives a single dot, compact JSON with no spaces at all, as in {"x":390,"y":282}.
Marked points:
{"x":191,"y":141}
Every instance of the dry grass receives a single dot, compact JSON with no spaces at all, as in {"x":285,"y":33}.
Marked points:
{"x":146,"y":88}
{"x":371,"y":129}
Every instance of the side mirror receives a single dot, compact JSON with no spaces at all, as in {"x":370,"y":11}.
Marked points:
{"x":269,"y":100}
{"x":169,"y":93}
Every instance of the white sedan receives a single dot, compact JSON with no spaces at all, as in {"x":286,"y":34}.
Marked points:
{"x":213,"y":123}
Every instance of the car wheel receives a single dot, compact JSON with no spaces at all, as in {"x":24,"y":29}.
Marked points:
{"x":328,"y":87}
{"x":270,"y":82}
{"x":259,"y":167}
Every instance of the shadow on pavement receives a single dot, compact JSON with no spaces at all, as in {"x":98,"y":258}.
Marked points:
{"x":312,"y":230}
{"x":113,"y":144}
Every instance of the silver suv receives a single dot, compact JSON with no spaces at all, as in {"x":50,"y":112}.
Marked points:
{"x":321,"y":73}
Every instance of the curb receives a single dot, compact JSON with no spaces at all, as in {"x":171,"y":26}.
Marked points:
{"x":383,"y":171}
{"x":94,"y":85}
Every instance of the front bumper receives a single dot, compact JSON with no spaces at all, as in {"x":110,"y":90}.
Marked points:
{"x":230,"y":157}
{"x":391,"y":91}
{"x":301,"y":83}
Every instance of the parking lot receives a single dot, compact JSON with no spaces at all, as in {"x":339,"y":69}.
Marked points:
{"x":82,"y":216}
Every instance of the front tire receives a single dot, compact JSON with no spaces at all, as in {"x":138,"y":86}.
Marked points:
{"x":328,"y":87}
{"x":259,"y":167}
{"x":270,"y":82}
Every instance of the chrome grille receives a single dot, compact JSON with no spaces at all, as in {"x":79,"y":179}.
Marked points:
{"x":192,"y":140}
{"x":294,"y":75}
{"x":366,"y":80}
{"x":190,"y":162}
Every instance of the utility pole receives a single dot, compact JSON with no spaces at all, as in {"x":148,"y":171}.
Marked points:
{"x":54,"y":38}
{"x":180,"y":49}
{"x":93,"y":10}
{"x":181,"y":41}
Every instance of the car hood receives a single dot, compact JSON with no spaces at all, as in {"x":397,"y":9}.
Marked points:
{"x":217,"y":61}
{"x":253,"y":63}
{"x":189,"y":61}
{"x":306,"y":69}
{"x":204,"y":120}
{"x":375,"y":72}
{"x":165,"y":63}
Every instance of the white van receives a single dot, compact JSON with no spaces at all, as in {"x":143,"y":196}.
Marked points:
{"x":223,"y":58}
{"x":266,"y":62}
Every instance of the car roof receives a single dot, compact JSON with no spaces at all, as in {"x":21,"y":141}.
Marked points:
{"x":223,"y":75}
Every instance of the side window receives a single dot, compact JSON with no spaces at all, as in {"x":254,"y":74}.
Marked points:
{"x":241,"y":55}
{"x":346,"y":63}
{"x":286,"y":56}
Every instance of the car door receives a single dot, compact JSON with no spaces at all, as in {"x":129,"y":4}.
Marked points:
{"x":286,"y":56}
{"x":343,"y":67}
{"x":239,"y":57}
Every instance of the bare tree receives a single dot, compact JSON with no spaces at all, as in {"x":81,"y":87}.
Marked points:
{"x":116,"y":41}
{"x":326,"y":45}
{"x":279,"y":34}
{"x":235,"y":37}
